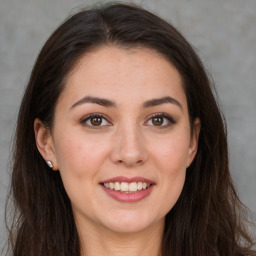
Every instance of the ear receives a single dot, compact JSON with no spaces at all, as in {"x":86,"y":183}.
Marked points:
{"x":44,"y":142}
{"x":194,"y":141}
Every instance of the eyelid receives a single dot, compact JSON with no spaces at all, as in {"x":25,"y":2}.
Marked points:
{"x":170,"y":119}
{"x":87,"y":117}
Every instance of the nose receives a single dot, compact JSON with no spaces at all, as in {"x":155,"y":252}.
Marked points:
{"x":129,"y":148}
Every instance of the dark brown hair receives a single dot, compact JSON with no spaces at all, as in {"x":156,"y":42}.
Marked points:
{"x":207,"y":218}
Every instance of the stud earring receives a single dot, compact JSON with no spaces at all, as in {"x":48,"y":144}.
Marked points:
{"x":49,"y":163}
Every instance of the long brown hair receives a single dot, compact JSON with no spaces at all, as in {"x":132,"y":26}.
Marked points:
{"x":207,"y":218}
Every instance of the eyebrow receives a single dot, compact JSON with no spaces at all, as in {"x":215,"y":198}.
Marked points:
{"x":95,"y":100}
{"x":108,"y":103}
{"x":156,"y":102}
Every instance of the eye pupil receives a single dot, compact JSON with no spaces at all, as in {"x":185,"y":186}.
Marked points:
{"x":96,"y":121}
{"x":157,"y":121}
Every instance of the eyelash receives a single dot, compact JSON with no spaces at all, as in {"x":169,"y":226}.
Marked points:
{"x":94,"y":115}
{"x":87,"y":118}
{"x":169,"y":119}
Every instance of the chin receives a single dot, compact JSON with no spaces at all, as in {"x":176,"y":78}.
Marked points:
{"x":128,"y":222}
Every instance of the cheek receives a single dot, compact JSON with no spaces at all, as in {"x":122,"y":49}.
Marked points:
{"x":172,"y":163}
{"x":171,"y":157}
{"x":172,"y":153}
{"x":79,"y":156}
{"x":80,"y":160}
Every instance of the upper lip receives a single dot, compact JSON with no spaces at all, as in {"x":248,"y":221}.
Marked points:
{"x":128,"y":180}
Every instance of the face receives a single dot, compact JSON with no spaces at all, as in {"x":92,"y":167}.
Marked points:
{"x":122,"y":139}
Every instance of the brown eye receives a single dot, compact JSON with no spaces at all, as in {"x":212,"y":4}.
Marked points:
{"x":160,"y":120}
{"x":96,"y":121}
{"x":157,"y":121}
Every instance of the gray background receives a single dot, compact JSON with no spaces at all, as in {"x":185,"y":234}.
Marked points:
{"x":222,"y":31}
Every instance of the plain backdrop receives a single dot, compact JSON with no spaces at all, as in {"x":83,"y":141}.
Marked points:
{"x":223,"y":32}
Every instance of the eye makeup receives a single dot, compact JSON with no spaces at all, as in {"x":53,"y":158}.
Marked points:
{"x":160,"y":120}
{"x":98,"y":120}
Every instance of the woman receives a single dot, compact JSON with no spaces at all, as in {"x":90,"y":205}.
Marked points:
{"x":120,"y":146}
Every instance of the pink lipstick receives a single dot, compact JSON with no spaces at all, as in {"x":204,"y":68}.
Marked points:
{"x":126,"y":189}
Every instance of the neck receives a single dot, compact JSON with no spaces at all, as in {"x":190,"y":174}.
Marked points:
{"x":102,"y":241}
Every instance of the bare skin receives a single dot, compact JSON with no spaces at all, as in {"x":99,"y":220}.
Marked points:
{"x":123,"y":113}
{"x":106,"y":242}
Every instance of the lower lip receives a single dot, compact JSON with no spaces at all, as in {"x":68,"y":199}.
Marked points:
{"x":128,"y":197}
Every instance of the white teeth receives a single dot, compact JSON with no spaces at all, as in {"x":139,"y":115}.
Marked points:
{"x":117,"y":186}
{"x":133,"y":187}
{"x":127,"y":187}
{"x":106,"y":185}
{"x":139,"y":185}
{"x":144,"y":185}
{"x":124,"y":187}
{"x":111,"y":185}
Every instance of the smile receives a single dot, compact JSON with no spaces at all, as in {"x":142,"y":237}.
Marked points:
{"x":126,"y":187}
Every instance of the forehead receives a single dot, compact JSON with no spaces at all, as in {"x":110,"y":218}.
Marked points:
{"x":114,"y":72}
